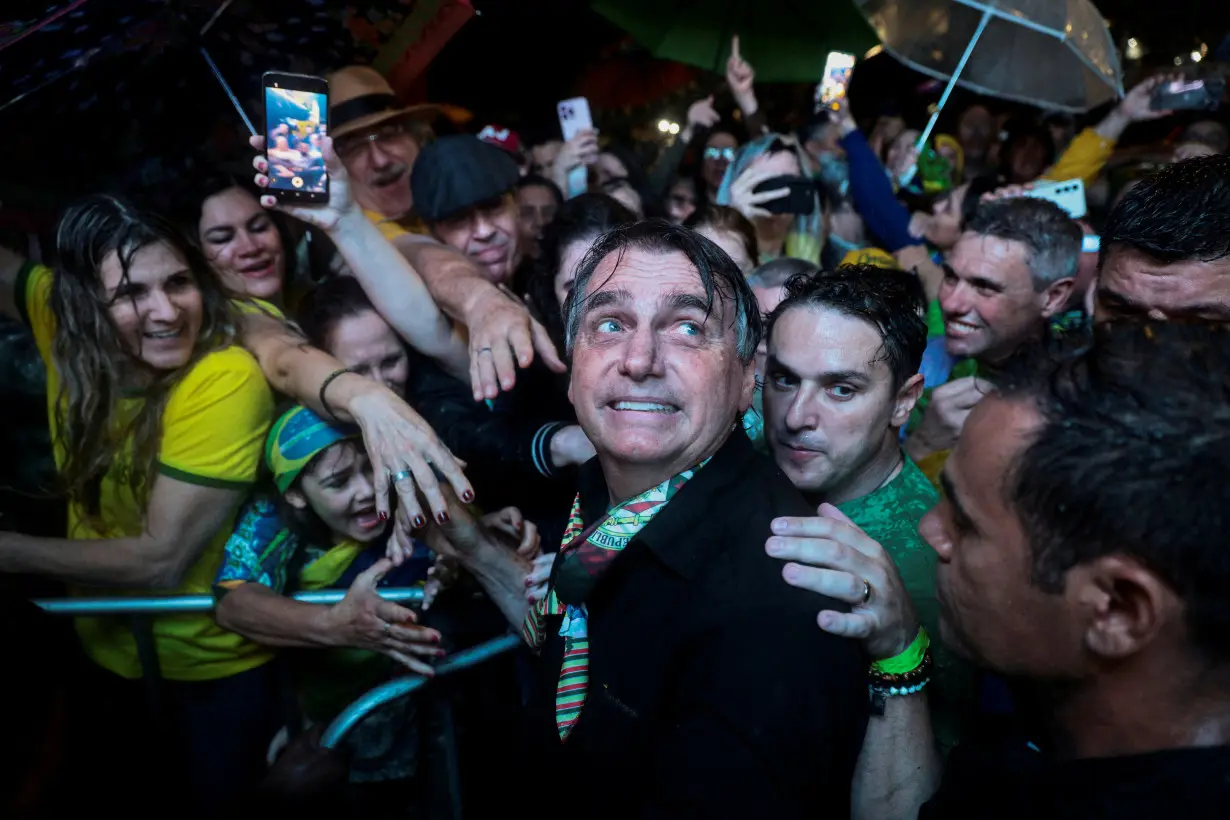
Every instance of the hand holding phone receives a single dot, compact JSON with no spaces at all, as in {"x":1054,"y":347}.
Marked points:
{"x":296,"y":124}
{"x":575,"y":117}
{"x":1189,"y":95}
{"x":838,"y":68}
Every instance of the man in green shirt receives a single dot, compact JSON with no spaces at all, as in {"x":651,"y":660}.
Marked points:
{"x":841,"y":378}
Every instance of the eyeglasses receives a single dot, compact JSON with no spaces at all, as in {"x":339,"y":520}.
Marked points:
{"x":715,"y":153}
{"x":351,"y":145}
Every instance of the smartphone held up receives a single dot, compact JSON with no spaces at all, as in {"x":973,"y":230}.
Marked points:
{"x":296,"y":123}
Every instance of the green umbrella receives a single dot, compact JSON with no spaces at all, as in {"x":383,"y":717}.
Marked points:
{"x":785,"y":40}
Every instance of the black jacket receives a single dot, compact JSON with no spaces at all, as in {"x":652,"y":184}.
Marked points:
{"x":507,"y":444}
{"x":712,"y":692}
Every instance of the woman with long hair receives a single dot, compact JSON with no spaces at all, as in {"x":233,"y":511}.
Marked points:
{"x":157,"y":419}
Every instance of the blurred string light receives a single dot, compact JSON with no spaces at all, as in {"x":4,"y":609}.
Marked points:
{"x":1197,"y":56}
{"x":1134,"y":49}
{"x":873,"y":51}
{"x":668,"y":127}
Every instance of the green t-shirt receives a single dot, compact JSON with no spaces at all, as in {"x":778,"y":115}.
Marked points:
{"x":891,"y":515}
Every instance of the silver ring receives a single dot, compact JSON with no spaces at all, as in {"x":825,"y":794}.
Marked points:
{"x":401,"y":476}
{"x":866,"y":591}
{"x":484,"y":350}
{"x":388,"y":628}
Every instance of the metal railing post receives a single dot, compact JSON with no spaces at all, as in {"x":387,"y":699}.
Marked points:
{"x":400,"y":687}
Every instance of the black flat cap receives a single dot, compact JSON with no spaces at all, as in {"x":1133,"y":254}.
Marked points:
{"x":456,"y":173}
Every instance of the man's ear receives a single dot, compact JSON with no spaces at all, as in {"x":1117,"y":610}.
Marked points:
{"x":907,"y":397}
{"x":1126,"y":605}
{"x":1055,"y":297}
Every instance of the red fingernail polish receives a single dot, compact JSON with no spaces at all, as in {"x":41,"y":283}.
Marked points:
{"x":384,"y":516}
{"x":467,"y":496}
{"x":442,"y":517}
{"x":419,"y":522}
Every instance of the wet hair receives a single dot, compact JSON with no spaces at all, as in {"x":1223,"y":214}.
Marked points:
{"x":974,"y":191}
{"x":1180,"y":213}
{"x":91,"y":362}
{"x":328,"y":304}
{"x":536,"y":181}
{"x":777,"y":272}
{"x":1052,"y":239}
{"x":582,"y":218}
{"x":891,"y":301}
{"x":1130,"y":459}
{"x":720,"y":277}
{"x":728,"y":220}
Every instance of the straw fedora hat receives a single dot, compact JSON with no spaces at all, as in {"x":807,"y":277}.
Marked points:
{"x":360,"y":98}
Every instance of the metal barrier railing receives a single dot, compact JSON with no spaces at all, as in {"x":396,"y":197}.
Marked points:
{"x":179,"y":604}
{"x":401,"y":687}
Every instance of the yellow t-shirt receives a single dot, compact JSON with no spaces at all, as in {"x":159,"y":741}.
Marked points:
{"x":390,"y":229}
{"x":213,"y":432}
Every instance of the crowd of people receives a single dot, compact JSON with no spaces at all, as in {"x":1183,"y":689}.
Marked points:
{"x":900,"y":502}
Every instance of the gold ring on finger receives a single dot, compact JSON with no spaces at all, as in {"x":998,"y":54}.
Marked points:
{"x":866,"y":590}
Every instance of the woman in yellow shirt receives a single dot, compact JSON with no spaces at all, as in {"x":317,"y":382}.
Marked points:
{"x":158,"y":418}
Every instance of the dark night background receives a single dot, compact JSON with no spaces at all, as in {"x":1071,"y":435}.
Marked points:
{"x":136,"y":117}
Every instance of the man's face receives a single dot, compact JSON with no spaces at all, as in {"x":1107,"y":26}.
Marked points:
{"x":989,"y":303}
{"x":536,"y":206}
{"x":656,"y":378}
{"x":829,"y":402}
{"x":1132,"y":283}
{"x":487,"y":233}
{"x":379,"y":161}
{"x":990,"y":611}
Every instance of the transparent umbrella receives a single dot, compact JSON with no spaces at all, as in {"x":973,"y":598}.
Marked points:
{"x":1056,"y":54}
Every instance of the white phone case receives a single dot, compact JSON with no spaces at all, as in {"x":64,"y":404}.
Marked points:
{"x":1069,"y":195}
{"x":574,"y":117}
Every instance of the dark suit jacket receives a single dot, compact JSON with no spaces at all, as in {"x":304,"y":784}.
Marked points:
{"x":712,"y":693}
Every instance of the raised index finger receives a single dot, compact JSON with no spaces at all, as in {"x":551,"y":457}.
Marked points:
{"x":734,"y":47}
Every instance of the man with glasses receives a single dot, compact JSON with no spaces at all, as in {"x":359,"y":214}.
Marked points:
{"x":375,"y":138}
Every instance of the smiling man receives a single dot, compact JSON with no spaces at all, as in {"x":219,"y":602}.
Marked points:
{"x":1009,"y":273}
{"x":673,"y":660}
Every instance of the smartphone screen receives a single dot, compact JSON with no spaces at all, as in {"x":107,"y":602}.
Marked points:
{"x":296,"y":122}
{"x":838,"y":67}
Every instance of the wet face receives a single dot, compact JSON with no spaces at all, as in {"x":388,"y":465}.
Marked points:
{"x":731,"y":242}
{"x":242,"y":243}
{"x":988,"y":299}
{"x":337,"y":485}
{"x":365,"y":344}
{"x":1134,"y":284}
{"x":536,"y":207}
{"x":379,"y":161}
{"x":488,"y":233}
{"x":657,"y":381}
{"x":719,"y":153}
{"x":681,"y":200}
{"x":990,"y":612}
{"x":831,"y":410}
{"x":157,"y":309}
